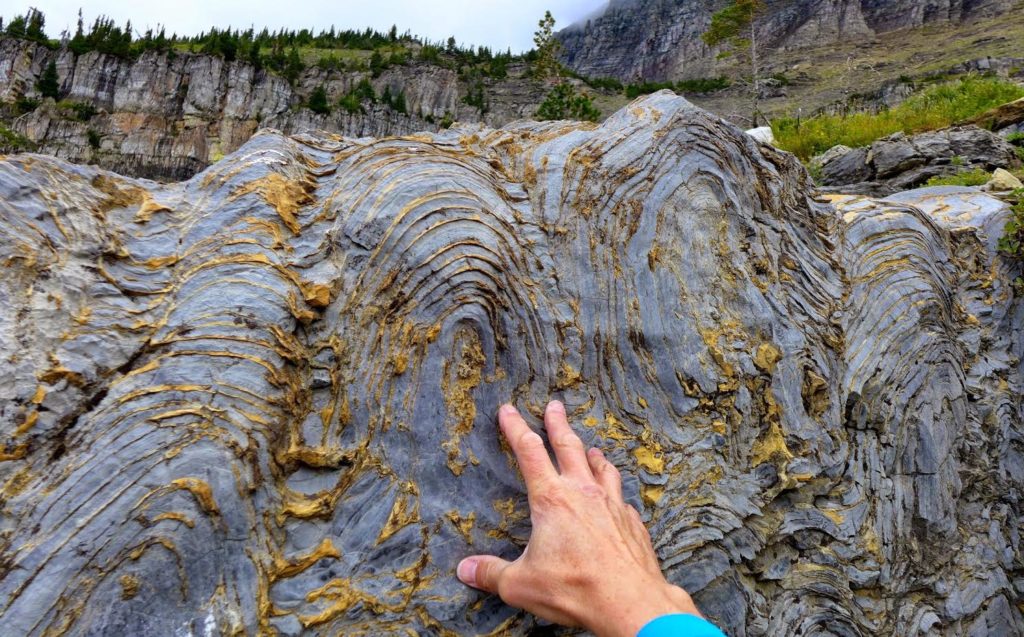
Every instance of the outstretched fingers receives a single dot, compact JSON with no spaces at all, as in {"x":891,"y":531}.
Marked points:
{"x":606,"y":474}
{"x":569,"y":449}
{"x":528,"y":448}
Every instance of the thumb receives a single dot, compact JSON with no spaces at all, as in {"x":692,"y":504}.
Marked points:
{"x":482,"y":571}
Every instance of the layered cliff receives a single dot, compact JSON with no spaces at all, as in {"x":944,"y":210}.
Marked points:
{"x":168,"y":116}
{"x":263,"y":399}
{"x":661,"y":39}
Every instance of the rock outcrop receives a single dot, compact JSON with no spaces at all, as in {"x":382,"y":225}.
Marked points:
{"x":660,"y":39}
{"x":899,"y":162}
{"x":169,"y":116}
{"x":263,"y":399}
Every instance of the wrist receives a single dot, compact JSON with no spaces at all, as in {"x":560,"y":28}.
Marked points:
{"x":628,"y":612}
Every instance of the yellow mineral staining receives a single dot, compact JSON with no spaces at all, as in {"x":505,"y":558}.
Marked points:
{"x":200,"y":489}
{"x":463,"y":524}
{"x":710,"y":478}
{"x":652,"y":493}
{"x":316,"y":295}
{"x":27,"y":424}
{"x":58,"y":372}
{"x":815,"y":393}
{"x":405,"y":511}
{"x":834,"y":514}
{"x":299,"y":310}
{"x":771,"y":445}
{"x":118,"y":194}
{"x":653,"y":257}
{"x":286,"y":196}
{"x":871,"y":542}
{"x":711,"y":336}
{"x":400,"y":362}
{"x":650,"y":458}
{"x":148,"y":209}
{"x":342,"y":595}
{"x":17,"y":483}
{"x":129,"y":586}
{"x":175,"y":516}
{"x":140,"y":550}
{"x":458,"y":395}
{"x":155,"y":263}
{"x":283,"y":568}
{"x":303,"y":508}
{"x":766,"y":356}
{"x":510,"y":515}
{"x":568,"y":376}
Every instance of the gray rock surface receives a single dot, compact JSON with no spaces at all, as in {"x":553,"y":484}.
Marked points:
{"x":899,"y":162}
{"x":660,"y":39}
{"x":263,"y":399}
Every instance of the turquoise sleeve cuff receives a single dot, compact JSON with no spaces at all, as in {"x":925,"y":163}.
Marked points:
{"x":679,"y":626}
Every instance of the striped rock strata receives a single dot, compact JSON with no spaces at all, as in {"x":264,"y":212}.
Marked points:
{"x":261,"y":401}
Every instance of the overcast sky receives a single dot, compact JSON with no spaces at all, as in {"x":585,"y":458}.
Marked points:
{"x":499,"y":24}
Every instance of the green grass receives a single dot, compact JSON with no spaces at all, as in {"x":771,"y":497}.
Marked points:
{"x":1011,"y":243}
{"x":974,"y":177}
{"x":936,"y":107}
{"x":13,"y":142}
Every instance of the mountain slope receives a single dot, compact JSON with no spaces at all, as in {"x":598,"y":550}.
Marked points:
{"x":660,"y":39}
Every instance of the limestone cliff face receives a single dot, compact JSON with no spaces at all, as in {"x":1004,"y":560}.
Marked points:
{"x":660,"y":39}
{"x":168,"y":117}
{"x":262,"y":400}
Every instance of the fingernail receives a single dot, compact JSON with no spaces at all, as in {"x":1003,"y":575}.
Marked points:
{"x":467,"y":571}
{"x":556,"y":405}
{"x":508,"y":410}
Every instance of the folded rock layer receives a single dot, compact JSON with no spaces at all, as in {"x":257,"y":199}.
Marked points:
{"x":262,"y":401}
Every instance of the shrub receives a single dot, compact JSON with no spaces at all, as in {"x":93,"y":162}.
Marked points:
{"x":603,"y":83}
{"x":94,"y":138}
{"x":330,"y":63}
{"x":563,"y":102}
{"x":293,"y":66}
{"x":974,"y":177}
{"x":636,"y":90}
{"x":476,"y":96}
{"x":11,"y":141}
{"x":350,"y":103}
{"x":935,"y":107}
{"x":1011,"y":243}
{"x":83,"y":111}
{"x":363,"y":91}
{"x":49,"y":83}
{"x":318,"y":101}
{"x":24,"y":105}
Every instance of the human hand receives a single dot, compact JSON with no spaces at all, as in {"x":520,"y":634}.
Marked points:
{"x":589,"y":562}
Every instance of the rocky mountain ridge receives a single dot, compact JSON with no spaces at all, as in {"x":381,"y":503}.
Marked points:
{"x":661,"y":39}
{"x":169,"y":115}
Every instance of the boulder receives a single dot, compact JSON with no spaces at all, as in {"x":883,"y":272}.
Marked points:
{"x":1003,"y":180}
{"x":762,"y":134}
{"x":1000,"y":117}
{"x":261,"y":401}
{"x":901,"y":162}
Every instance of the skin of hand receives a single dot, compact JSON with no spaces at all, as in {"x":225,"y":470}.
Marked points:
{"x":589,"y":562}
